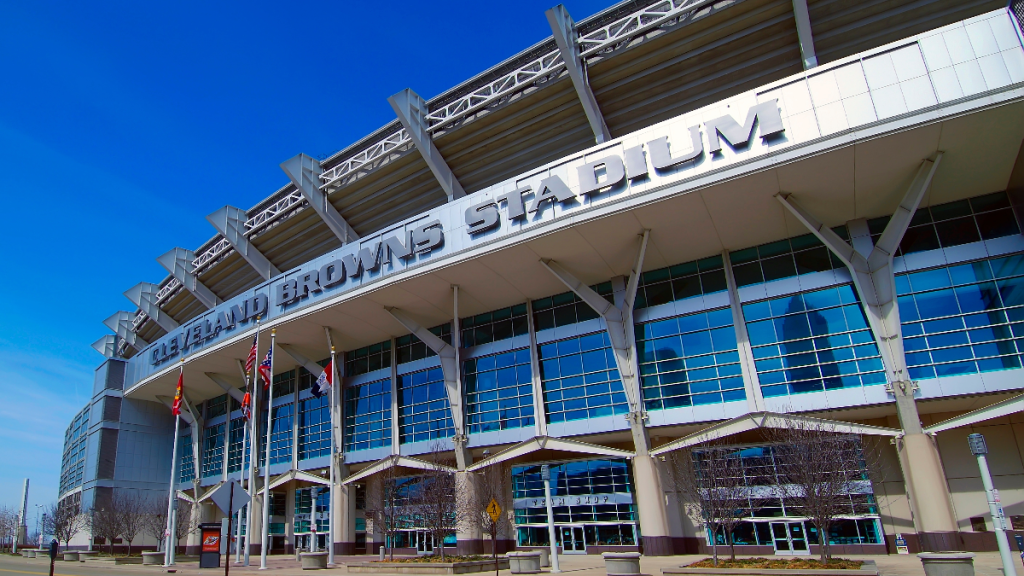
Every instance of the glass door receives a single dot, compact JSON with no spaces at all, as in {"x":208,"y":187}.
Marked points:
{"x":572,"y":540}
{"x":789,"y":538}
{"x":424,"y":542}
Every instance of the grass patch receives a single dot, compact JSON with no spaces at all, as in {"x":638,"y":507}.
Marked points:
{"x":436,"y":559}
{"x":780,"y":564}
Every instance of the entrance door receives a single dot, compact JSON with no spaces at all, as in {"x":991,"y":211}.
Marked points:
{"x":789,"y":538}
{"x":424,"y":542}
{"x":572,"y":540}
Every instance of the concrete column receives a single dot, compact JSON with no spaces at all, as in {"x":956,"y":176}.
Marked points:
{"x":256,"y":512}
{"x":540,"y":414}
{"x":289,"y":518}
{"x":468,"y":537}
{"x":344,"y":513}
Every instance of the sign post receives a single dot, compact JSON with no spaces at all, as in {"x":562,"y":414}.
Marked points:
{"x":494,"y":511}
{"x":53,"y":554}
{"x":545,"y":474}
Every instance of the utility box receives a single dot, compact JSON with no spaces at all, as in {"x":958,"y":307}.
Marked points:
{"x":209,"y":555}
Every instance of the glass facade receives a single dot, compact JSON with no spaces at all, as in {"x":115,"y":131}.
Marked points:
{"x":314,"y":427}
{"x":784,"y":259}
{"x":236,"y":455}
{"x":217,"y":406}
{"x":689,"y":360}
{"x":566,"y":308}
{"x":679,"y":282}
{"x":954,"y":223}
{"x":368,"y":415}
{"x":812,"y":341}
{"x":213,"y":451}
{"x":493,"y":326}
{"x":499,"y":391}
{"x":186,"y":459}
{"x":580,"y":378}
{"x":368,"y":359}
{"x":72,"y":466}
{"x":596,"y":493}
{"x":962,"y":319}
{"x":423,"y":409}
{"x":409,"y":348}
{"x":304,"y":498}
{"x":281,"y":419}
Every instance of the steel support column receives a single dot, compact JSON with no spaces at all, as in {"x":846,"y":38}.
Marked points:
{"x":143,"y":295}
{"x":226,"y":385}
{"x":107,"y":345}
{"x":411,"y":111}
{"x":304,"y":172}
{"x":803,"y":34}
{"x":453,"y":386}
{"x":178,"y":262}
{"x":230,"y":222}
{"x":875,"y":282}
{"x":650,"y":497}
{"x":564,"y":29}
{"x":121,"y":323}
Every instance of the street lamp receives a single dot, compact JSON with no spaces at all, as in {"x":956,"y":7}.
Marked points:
{"x":38,"y":530}
{"x":980,"y":449}
{"x":545,"y":474}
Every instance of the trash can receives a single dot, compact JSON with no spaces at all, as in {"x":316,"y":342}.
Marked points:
{"x":209,"y":555}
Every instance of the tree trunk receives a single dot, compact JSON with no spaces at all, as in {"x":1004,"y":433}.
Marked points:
{"x":714,"y":546}
{"x":732,"y":545}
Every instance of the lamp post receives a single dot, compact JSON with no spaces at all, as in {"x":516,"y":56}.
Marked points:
{"x":980,"y":449}
{"x":545,"y":474}
{"x":38,"y":530}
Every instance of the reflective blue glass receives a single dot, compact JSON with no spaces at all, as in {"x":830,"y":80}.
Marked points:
{"x":368,"y":415}
{"x":809,"y":341}
{"x":186,"y":459}
{"x":969,"y":320}
{"x":568,"y":368}
{"x":213,"y":451}
{"x":423,"y":409}
{"x":314,"y":427}
{"x":499,"y":391}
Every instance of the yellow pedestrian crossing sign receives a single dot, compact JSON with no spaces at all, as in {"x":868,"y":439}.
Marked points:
{"x":493,"y":510}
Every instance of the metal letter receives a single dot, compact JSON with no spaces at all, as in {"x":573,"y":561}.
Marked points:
{"x":427,"y":237}
{"x":514,"y":200}
{"x":766,"y":114}
{"x":551,"y":188}
{"x":257,"y":305}
{"x":662,"y":158}
{"x":395,"y":247}
{"x":615,"y":172}
{"x":636,"y":164}
{"x":332,"y":274}
{"x":481,"y":217}
{"x":309,"y":282}
{"x":287,"y":292}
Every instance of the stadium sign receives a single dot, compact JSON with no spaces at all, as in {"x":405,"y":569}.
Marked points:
{"x":539,"y":197}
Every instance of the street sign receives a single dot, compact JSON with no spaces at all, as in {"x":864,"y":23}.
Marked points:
{"x":494,"y":510}
{"x":901,"y":545}
{"x":222,"y":494}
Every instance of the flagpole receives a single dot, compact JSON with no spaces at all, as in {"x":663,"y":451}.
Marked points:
{"x":331,"y":510}
{"x":266,"y":464}
{"x":168,"y":535}
{"x":252,"y":448}
{"x":241,"y":478}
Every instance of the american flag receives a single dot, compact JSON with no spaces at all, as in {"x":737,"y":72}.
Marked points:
{"x":252,"y":356}
{"x":265,"y":367}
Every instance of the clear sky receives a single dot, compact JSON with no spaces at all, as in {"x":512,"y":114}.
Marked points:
{"x":123,"y":124}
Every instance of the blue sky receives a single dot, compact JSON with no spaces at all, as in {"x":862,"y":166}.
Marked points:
{"x":123,"y":124}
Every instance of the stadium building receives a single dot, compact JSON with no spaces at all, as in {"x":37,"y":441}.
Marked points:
{"x":669,"y":221}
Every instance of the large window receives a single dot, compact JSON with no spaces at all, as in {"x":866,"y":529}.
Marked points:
{"x":493,"y":326}
{"x":566,"y":308}
{"x":304,"y":504}
{"x":424,"y":412}
{"x":314,"y":427}
{"x":580,"y":379}
{"x":284,"y":383}
{"x":213,"y":451}
{"x":784,"y":258}
{"x":281,"y":433}
{"x":812,"y":341}
{"x":186,"y":459}
{"x":368,"y":359}
{"x":681,"y":281}
{"x":498,"y":391}
{"x":689,"y":360}
{"x":368,"y":415}
{"x":409,"y":348}
{"x":962,"y":319}
{"x":237,"y":455}
{"x":217,"y":406}
{"x":954,"y":223}
{"x":73,"y":461}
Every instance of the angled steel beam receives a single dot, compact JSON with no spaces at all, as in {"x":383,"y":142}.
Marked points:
{"x":178,"y":262}
{"x":226,"y":385}
{"x":997,"y":410}
{"x":411,"y":111}
{"x":391,"y":462}
{"x":143,"y":295}
{"x":298,"y":475}
{"x":539,"y":443}
{"x":121,"y":323}
{"x":803,"y":34}
{"x":230,"y":222}
{"x":449,"y":367}
{"x":564,"y":30}
{"x":309,"y":365}
{"x":304,"y":172}
{"x":776,"y":420}
{"x":106,"y":345}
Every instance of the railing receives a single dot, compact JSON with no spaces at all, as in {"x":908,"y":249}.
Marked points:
{"x":140,"y":319}
{"x":273,"y":212}
{"x":210,"y":255}
{"x":625,"y":29}
{"x":366,"y":157}
{"x":167,"y":290}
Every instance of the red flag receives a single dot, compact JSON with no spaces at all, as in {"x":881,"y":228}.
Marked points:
{"x":247,"y":406}
{"x":176,"y":406}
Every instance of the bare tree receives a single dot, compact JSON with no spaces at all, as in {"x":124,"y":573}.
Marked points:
{"x":717,"y":492}
{"x":385,"y":505}
{"x":436,"y":502}
{"x":130,"y":509}
{"x":823,"y":473}
{"x":8,"y":526}
{"x":477,"y":490}
{"x":65,"y":520}
{"x":154,"y":521}
{"x":185,"y":522}
{"x":103,"y":523}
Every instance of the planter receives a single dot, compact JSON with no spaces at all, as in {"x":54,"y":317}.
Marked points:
{"x":84,"y":555}
{"x":947,"y":563}
{"x":71,"y":556}
{"x":28,"y":553}
{"x":426,"y":568}
{"x":42,"y":553}
{"x":545,"y":557}
{"x":621,"y":563}
{"x":524,"y":562}
{"x":866,"y":569}
{"x":152,"y":558}
{"x":313,"y":560}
